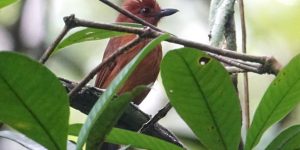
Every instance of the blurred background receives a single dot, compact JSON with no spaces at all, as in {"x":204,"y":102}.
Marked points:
{"x":273,"y":27}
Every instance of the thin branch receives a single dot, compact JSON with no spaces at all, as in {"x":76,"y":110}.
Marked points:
{"x":161,"y":114}
{"x":130,"y":15}
{"x":204,"y":47}
{"x":108,"y":60}
{"x":68,"y":26}
{"x":52,"y":47}
{"x":235,"y":63}
{"x":231,"y":69}
{"x":267,"y":65}
{"x":244,"y":50}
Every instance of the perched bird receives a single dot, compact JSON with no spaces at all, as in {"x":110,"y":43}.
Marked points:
{"x":147,"y":71}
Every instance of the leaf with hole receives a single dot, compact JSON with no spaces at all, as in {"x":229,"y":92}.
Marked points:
{"x":106,"y":108}
{"x":33,"y":101}
{"x":202,"y":93}
{"x":280,"y":98}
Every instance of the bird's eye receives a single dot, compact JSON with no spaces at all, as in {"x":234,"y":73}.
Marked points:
{"x":145,"y":10}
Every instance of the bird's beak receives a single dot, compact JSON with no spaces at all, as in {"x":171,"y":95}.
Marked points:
{"x":166,"y":12}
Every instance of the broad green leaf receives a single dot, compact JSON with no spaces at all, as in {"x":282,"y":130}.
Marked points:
{"x":4,"y":3}
{"x":93,"y":124}
{"x":33,"y":101}
{"x":202,"y":93}
{"x":280,"y":98}
{"x":92,"y":34}
{"x":287,"y":140}
{"x":126,"y":137}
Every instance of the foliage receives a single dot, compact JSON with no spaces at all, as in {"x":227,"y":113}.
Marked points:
{"x":138,"y":140}
{"x":33,"y":101}
{"x":206,"y":98}
{"x":4,"y":3}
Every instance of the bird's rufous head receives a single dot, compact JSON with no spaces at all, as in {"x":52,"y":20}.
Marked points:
{"x":147,"y":10}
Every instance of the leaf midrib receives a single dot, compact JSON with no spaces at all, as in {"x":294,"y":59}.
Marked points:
{"x":209,"y":109}
{"x":30,"y":112}
{"x":268,"y":116}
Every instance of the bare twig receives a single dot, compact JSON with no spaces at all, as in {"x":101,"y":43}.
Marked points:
{"x":267,"y":67}
{"x":68,"y":26}
{"x":52,"y":47}
{"x":231,"y":69}
{"x":161,"y":113}
{"x":244,"y":50}
{"x":111,"y":58}
{"x":235,"y":63}
{"x":204,"y":47}
{"x":130,"y":15}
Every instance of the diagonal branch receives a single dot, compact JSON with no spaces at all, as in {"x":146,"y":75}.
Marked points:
{"x":110,"y":59}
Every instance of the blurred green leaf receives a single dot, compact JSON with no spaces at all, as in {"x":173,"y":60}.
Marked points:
{"x":106,"y":111}
{"x":287,"y":140}
{"x":126,"y":137}
{"x":4,"y":3}
{"x":129,"y":24}
{"x":280,"y":98}
{"x":33,"y":101}
{"x":202,"y":93}
{"x":92,"y":34}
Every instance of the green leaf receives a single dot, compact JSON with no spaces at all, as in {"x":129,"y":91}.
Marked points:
{"x":4,"y":3}
{"x":202,"y":93}
{"x":126,"y":137}
{"x":93,"y":124}
{"x":33,"y":101}
{"x":280,"y":98}
{"x":287,"y":140}
{"x":91,"y":34}
{"x":129,"y":24}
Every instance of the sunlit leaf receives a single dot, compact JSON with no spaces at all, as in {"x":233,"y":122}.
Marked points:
{"x":33,"y":101}
{"x":94,"y":131}
{"x":92,"y":34}
{"x":280,"y":98}
{"x":202,"y":93}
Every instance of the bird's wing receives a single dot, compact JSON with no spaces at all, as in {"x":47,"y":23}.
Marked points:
{"x":112,"y":46}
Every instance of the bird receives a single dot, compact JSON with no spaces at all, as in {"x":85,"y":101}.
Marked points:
{"x":148,"y":70}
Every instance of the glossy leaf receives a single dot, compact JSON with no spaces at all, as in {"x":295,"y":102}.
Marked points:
{"x":202,"y":93}
{"x":280,"y":98}
{"x":33,"y":101}
{"x":286,"y":140}
{"x":126,"y":137}
{"x":4,"y":3}
{"x":94,"y":129}
{"x":92,"y":34}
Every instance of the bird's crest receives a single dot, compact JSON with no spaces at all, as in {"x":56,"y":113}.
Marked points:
{"x":130,"y":4}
